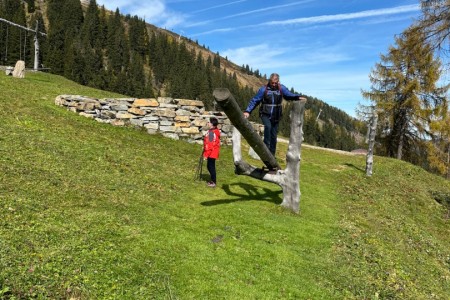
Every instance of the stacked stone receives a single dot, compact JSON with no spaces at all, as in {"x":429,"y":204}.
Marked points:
{"x":173,"y":118}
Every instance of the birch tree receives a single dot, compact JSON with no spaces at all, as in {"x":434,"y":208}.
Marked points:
{"x":372,"y":134}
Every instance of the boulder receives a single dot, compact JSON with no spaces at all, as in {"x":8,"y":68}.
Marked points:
{"x":19,"y":69}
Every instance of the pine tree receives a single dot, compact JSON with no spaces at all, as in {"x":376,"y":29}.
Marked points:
{"x":73,"y":20}
{"x":65,"y":18}
{"x":90,"y":50}
{"x":117,"y":44}
{"x":216,"y":60}
{"x":90,"y":30}
{"x":328,"y":134}
{"x":311,"y":129}
{"x":137,"y":77}
{"x":138,"y":36}
{"x":404,"y":89}
{"x":102,"y":27}
{"x":158,"y":46}
{"x":56,"y":37}
{"x":183,"y":83}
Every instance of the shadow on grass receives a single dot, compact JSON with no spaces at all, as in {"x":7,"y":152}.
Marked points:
{"x":252,"y":193}
{"x":355,"y":167}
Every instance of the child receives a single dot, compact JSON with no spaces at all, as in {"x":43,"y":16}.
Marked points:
{"x":211,"y":148}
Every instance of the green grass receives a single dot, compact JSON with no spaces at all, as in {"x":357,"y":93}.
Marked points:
{"x":92,"y":211}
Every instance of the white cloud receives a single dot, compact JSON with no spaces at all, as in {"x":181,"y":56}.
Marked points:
{"x":265,"y":56}
{"x":333,"y":18}
{"x":195,"y":24}
{"x":267,"y":8}
{"x":218,"y":6}
{"x":113,"y":4}
{"x":349,"y":16}
{"x":259,"y":55}
{"x":153,"y":11}
{"x":339,"y":89}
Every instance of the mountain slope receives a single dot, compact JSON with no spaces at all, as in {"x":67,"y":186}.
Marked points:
{"x":92,"y":211}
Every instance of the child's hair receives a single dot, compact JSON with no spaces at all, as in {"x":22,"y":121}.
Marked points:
{"x":214,"y":122}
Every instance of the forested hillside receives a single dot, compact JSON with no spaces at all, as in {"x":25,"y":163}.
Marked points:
{"x":107,"y":50}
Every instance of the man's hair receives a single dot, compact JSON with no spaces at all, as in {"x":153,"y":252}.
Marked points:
{"x":273,"y":75}
{"x":214,"y":121}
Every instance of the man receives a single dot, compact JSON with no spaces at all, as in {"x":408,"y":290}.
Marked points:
{"x":270,"y":97}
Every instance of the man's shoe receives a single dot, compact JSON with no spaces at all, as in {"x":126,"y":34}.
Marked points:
{"x":273,"y":171}
{"x":211,"y":184}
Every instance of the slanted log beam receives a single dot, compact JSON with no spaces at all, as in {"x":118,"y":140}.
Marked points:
{"x":227,"y":102}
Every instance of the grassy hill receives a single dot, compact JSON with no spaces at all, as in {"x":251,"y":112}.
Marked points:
{"x":92,"y":211}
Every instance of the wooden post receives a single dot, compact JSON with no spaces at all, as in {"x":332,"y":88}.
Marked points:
{"x":372,"y":134}
{"x":36,"y":47}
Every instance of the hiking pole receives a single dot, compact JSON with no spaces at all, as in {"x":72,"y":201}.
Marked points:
{"x":198,"y":172}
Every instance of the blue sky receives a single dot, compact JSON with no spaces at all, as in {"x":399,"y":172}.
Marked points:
{"x":325,"y":49}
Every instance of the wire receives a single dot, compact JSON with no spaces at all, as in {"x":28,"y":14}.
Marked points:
{"x":6,"y":43}
{"x":20,"y":45}
{"x":25,"y":45}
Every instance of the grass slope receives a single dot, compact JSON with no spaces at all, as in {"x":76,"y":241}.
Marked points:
{"x":92,"y":211}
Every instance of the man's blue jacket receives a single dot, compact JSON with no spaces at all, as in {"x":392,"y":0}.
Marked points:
{"x":271,"y":99}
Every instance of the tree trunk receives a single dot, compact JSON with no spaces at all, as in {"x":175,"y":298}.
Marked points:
{"x":289,"y":178}
{"x":372,"y":134}
{"x":400,"y":147}
{"x":36,"y":48}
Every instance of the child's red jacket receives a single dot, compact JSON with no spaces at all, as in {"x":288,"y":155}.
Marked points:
{"x":211,"y":144}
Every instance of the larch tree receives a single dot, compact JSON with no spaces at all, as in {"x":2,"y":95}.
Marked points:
{"x":435,"y":24}
{"x":406,"y":94}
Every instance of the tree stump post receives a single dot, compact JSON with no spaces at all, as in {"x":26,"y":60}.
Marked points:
{"x":372,"y":134}
{"x":289,"y":178}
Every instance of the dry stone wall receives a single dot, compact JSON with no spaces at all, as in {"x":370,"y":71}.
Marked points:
{"x":174,"y":118}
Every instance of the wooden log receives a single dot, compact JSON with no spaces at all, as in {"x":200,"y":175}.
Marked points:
{"x":229,"y":105}
{"x":372,"y":134}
